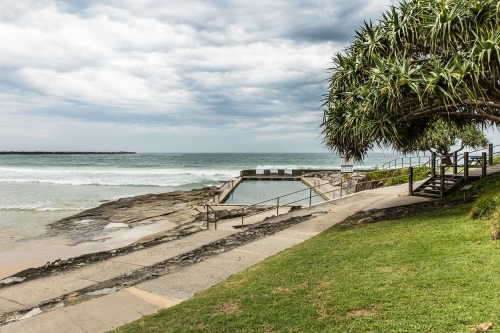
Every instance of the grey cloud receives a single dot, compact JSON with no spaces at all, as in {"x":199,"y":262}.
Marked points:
{"x":206,"y":65}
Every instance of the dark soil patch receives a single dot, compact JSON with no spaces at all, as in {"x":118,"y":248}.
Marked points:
{"x":397,"y":213}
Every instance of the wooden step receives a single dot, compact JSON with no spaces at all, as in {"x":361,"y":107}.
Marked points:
{"x":428,"y":191}
{"x":436,"y":186}
{"x":427,"y":195}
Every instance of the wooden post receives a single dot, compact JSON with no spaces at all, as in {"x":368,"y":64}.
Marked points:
{"x":490,"y":154}
{"x":277,"y":206}
{"x":483,"y":165}
{"x":455,"y":166}
{"x":466,"y":166}
{"x":242,"y":215}
{"x":410,"y":181}
{"x":433,"y":164}
{"x":442,"y":181}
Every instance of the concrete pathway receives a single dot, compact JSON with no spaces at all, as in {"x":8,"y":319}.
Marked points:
{"x":113,"y":310}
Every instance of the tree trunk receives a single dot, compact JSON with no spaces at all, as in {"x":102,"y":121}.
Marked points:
{"x":445,"y":158}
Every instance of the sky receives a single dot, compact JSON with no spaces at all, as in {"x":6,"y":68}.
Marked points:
{"x":170,"y":76}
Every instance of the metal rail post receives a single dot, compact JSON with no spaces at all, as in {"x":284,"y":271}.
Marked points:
{"x":310,"y":196}
{"x":277,"y":206}
{"x":433,"y":164}
{"x":466,"y":166}
{"x":410,"y":181}
{"x":483,"y":165}
{"x":490,"y":154}
{"x":341,"y":187}
{"x":442,"y":181}
{"x":242,"y":215}
{"x":208,"y":222}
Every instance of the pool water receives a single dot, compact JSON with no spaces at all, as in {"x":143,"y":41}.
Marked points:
{"x":250,"y":192}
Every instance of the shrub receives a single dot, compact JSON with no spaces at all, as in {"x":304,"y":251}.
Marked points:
{"x":484,"y":208}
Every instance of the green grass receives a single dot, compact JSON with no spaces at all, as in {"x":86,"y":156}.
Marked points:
{"x":397,"y":176}
{"x":436,"y":272}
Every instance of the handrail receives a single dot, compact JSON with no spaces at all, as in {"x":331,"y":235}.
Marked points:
{"x":396,"y":165}
{"x":208,"y":216}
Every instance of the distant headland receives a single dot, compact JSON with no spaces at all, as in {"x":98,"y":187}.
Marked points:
{"x":66,"y":152}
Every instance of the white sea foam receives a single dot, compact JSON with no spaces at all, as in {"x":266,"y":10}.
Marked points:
{"x":118,"y":171}
{"x":40,"y":208}
{"x":114,"y":176}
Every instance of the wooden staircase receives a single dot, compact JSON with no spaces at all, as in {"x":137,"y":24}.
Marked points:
{"x":432,"y":186}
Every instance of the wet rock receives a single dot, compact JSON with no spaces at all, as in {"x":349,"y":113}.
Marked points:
{"x":368,"y":219}
{"x":223,"y":214}
{"x":379,"y":215}
{"x":10,"y":280}
{"x":101,"y":292}
{"x":95,"y":223}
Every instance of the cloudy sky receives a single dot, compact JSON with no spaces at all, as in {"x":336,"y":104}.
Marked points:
{"x":169,"y":76}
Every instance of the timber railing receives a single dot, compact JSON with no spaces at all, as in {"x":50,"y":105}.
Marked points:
{"x":432,"y":166}
{"x":461,"y":165}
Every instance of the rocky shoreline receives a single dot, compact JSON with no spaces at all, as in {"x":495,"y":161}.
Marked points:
{"x":183,"y":208}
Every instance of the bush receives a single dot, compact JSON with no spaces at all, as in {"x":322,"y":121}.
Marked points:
{"x":484,"y":208}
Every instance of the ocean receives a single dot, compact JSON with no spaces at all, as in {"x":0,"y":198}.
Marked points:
{"x":36,"y":190}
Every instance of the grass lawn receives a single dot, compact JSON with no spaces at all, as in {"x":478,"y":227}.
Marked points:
{"x":436,"y":272}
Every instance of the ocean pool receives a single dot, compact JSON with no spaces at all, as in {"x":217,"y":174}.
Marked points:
{"x":250,"y":192}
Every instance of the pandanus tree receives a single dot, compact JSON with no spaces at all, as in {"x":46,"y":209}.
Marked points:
{"x":423,"y":60}
{"x":445,"y":138}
